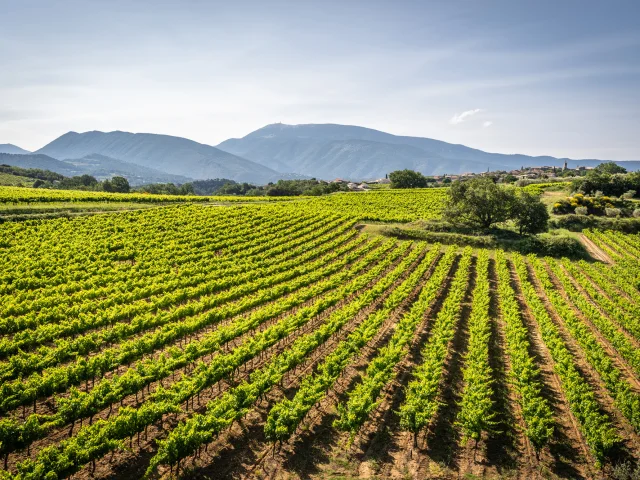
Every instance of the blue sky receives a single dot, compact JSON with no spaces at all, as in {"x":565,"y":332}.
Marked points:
{"x":546,"y":77}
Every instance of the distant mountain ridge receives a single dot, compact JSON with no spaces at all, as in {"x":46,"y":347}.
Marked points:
{"x":173,"y":155}
{"x":96,"y":165}
{"x":10,"y":148}
{"x":331,"y":150}
{"x":277,"y":151}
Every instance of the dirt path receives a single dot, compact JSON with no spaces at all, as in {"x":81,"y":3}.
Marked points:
{"x":595,"y":251}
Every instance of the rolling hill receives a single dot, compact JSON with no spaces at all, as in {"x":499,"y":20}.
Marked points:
{"x":173,"y":155}
{"x":10,"y":148}
{"x":99,"y":166}
{"x":43,"y":162}
{"x":329,"y":150}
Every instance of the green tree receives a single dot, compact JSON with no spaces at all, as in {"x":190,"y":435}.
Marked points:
{"x":116,"y":184}
{"x":407,"y":179}
{"x":529,"y":213}
{"x":479,"y":202}
{"x":610,"y":167}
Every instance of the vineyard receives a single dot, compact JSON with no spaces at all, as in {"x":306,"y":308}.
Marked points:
{"x":204,"y":337}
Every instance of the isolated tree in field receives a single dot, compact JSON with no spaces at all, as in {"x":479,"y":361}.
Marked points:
{"x":529,"y":213}
{"x":407,"y":179}
{"x":478,"y":202}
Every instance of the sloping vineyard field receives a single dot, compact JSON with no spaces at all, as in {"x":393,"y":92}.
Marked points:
{"x":275,"y":340}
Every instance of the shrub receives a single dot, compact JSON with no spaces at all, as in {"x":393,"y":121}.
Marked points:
{"x":629,"y":194}
{"x":577,"y":223}
{"x":636,"y":213}
{"x":594,"y":205}
{"x":613,"y":212}
{"x":582,"y":211}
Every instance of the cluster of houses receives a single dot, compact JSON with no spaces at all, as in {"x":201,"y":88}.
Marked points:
{"x":522,"y":173}
{"x":542,"y":172}
{"x":360,"y":187}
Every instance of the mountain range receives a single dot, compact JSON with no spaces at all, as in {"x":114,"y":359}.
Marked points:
{"x":351,"y":152}
{"x":277,"y":151}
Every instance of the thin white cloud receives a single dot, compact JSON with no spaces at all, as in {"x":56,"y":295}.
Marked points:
{"x":486,"y":124}
{"x":459,"y":118}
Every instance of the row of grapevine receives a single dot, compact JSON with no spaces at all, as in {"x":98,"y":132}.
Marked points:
{"x":476,"y":407}
{"x":525,"y":375}
{"x":622,"y":316}
{"x":286,"y":415}
{"x":235,"y":403}
{"x":363,"y":399}
{"x":596,"y":426}
{"x":625,"y":399}
{"x":77,"y":300}
{"x":109,"y":391}
{"x":421,"y":403}
{"x":20,"y":392}
{"x":94,"y":440}
{"x":241,"y":284}
{"x":618,"y":339}
{"x":32,"y":195}
{"x":44,"y":315}
{"x":85,"y":249}
{"x":234,"y":300}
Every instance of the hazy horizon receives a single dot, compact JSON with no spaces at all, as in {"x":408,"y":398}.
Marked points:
{"x":536,"y":79}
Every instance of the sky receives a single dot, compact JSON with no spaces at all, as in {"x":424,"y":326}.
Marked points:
{"x":557,"y":77}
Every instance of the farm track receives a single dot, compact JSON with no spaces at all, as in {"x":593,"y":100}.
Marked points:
{"x":595,"y":251}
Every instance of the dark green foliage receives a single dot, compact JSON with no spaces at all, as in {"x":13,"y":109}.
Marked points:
{"x":283,"y":188}
{"x":478,"y":202}
{"x":482,"y":203}
{"x":211,"y":186}
{"x":577,"y":223}
{"x":552,"y":246}
{"x":167,"y":189}
{"x":116,"y":184}
{"x":78,"y":182}
{"x":610,"y":167}
{"x":407,"y":179}
{"x":609,"y":184}
{"x":45,"y":175}
{"x":529,"y":213}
